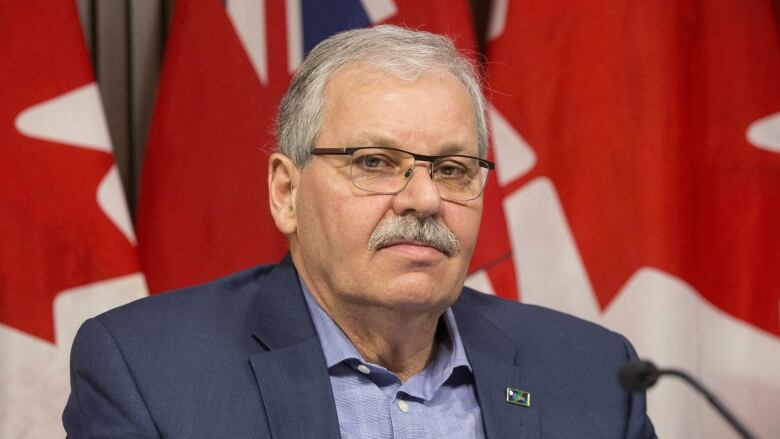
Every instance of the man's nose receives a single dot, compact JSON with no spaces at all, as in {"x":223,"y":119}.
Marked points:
{"x":420,"y":196}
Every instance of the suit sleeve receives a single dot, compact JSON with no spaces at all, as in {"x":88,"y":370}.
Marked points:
{"x":104,"y":401}
{"x":639,"y":424}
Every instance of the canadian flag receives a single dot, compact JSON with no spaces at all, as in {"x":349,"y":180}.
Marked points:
{"x":638,"y":148}
{"x":67,"y":250}
{"x":203,"y":209}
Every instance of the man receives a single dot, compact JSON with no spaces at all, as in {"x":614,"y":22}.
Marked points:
{"x":365,"y":330}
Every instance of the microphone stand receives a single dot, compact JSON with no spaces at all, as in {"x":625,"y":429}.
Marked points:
{"x":641,"y":375}
{"x":714,"y":401}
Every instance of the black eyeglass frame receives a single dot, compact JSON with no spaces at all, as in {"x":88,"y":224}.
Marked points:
{"x":417,"y":157}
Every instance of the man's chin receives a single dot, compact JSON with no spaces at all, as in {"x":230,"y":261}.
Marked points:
{"x":418,"y":301}
{"x":420,"y":289}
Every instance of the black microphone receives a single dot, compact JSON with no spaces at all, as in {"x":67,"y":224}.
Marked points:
{"x":640,"y":375}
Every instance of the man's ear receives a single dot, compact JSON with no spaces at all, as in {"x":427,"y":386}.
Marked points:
{"x":283,"y":178}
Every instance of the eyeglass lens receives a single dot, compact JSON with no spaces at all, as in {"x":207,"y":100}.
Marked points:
{"x":388,"y":171}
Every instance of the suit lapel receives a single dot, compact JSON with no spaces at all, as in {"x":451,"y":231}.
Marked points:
{"x":291,"y":373}
{"x":494,"y":360}
{"x":296,"y":391}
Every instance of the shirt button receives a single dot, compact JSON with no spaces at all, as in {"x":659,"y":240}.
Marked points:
{"x":403,"y":405}
{"x":364,"y":369}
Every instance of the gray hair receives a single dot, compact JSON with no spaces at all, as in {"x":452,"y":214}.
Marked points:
{"x":402,"y":52}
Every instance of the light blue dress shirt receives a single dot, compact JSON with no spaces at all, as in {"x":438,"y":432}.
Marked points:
{"x":372,"y":403}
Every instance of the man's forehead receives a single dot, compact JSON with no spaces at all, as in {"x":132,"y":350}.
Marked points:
{"x":363,"y":73}
{"x":354,"y":81}
{"x":375,"y":69}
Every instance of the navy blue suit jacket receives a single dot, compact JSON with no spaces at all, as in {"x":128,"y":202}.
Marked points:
{"x":240,"y":358}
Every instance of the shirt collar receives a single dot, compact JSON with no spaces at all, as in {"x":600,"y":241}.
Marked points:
{"x":337,"y":347}
{"x":335,"y":344}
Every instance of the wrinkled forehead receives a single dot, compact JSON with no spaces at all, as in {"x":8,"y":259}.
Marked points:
{"x":349,"y":80}
{"x":397,"y":68}
{"x":367,"y":72}
{"x":379,"y":108}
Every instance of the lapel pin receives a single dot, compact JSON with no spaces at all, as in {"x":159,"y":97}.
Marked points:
{"x":518,"y":397}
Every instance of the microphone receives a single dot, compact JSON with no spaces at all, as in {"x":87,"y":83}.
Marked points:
{"x":640,"y":375}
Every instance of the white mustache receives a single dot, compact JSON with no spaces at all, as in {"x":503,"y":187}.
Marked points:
{"x":428,"y":231}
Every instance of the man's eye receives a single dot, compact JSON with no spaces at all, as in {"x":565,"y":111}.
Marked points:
{"x":451,"y":170}
{"x":373,"y":162}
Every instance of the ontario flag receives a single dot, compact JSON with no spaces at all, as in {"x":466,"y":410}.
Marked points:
{"x":638,"y":148}
{"x":67,"y":249}
{"x":203,"y":209}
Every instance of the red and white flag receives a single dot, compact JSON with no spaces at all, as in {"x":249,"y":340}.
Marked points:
{"x":67,"y":250}
{"x":638,"y":146}
{"x":203,"y":209}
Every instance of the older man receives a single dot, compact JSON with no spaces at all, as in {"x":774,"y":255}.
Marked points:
{"x":365,"y":330}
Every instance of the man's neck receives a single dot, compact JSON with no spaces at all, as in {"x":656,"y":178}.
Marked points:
{"x":402,"y":343}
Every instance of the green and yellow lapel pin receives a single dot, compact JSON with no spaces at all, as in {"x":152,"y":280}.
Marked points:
{"x":518,"y":397}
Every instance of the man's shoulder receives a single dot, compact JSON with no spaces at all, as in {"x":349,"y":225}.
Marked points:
{"x":181,"y":355}
{"x":570,"y":365}
{"x":516,"y":320}
{"x":213,"y":303}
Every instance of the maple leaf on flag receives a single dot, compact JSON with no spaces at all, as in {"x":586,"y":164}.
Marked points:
{"x":66,"y":242}
{"x":54,"y":233}
{"x":647,"y":147}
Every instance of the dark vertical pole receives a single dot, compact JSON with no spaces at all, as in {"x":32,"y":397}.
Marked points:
{"x":111,"y":68}
{"x":480,"y":12}
{"x":147,"y":24}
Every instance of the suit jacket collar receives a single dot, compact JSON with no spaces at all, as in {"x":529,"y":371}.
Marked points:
{"x":291,"y":373}
{"x":497,"y":365}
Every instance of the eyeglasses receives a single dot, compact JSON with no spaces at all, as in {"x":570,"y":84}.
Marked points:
{"x":388,"y":171}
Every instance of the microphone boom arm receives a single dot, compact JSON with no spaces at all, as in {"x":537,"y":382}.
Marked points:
{"x":641,"y":375}
{"x":714,"y":401}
